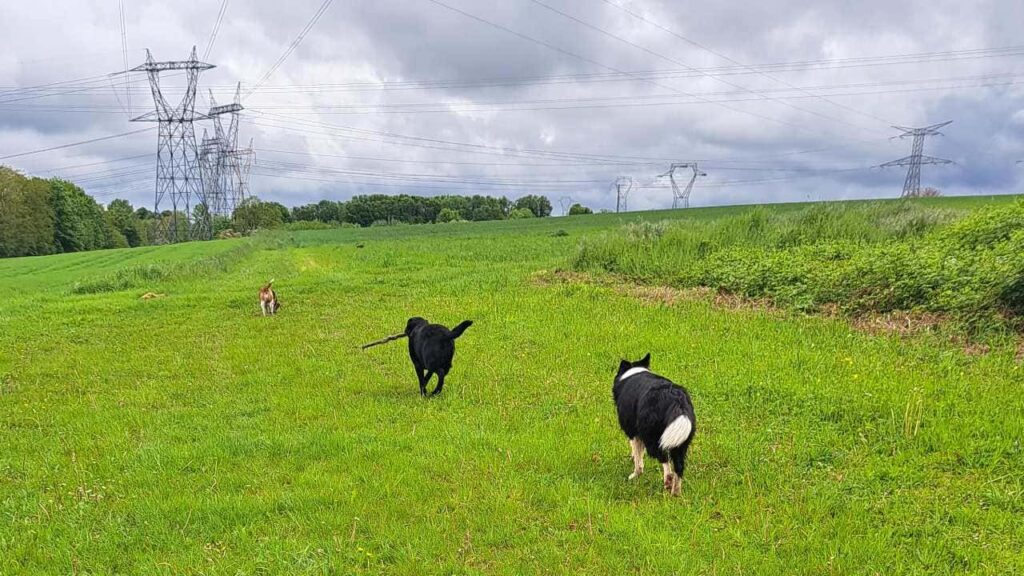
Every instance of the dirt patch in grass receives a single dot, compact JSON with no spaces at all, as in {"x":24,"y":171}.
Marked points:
{"x":653,"y":294}
{"x":902,"y":324}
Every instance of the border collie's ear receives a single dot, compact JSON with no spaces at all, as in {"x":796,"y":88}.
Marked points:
{"x":624,"y":365}
{"x":645,"y":361}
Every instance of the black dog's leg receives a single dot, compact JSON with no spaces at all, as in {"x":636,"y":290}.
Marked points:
{"x":423,"y":383}
{"x":440,"y":383}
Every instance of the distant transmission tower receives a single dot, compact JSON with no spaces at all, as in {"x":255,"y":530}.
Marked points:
{"x":179,"y":176}
{"x":684,"y":196}
{"x":225,"y":167}
{"x":622,"y":185}
{"x":565,"y":202}
{"x":912,"y":185}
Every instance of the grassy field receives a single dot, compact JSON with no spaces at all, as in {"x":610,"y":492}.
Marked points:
{"x":187,"y":434}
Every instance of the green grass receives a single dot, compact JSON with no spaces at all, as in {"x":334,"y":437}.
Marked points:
{"x":965,"y":263}
{"x":186,"y":434}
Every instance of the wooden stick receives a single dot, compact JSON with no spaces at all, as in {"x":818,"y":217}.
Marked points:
{"x":384,"y":340}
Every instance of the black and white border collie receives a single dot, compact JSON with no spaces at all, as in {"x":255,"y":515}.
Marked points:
{"x":657,"y":415}
{"x":431,"y":349}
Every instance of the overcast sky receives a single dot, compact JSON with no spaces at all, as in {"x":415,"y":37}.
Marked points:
{"x":779,"y":100}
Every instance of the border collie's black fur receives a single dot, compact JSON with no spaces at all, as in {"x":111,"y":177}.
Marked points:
{"x":431,"y":348}
{"x":657,"y":415}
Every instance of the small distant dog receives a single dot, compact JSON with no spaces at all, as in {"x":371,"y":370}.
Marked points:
{"x":431,"y":348}
{"x":657,"y":415}
{"x":268,"y":299}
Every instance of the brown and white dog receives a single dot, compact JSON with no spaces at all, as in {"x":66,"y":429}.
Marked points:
{"x":268,"y":299}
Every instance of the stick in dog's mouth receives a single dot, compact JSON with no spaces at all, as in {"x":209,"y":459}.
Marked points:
{"x":384,"y":340}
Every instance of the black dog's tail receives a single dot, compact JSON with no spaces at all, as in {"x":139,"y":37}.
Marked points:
{"x":458,"y":330}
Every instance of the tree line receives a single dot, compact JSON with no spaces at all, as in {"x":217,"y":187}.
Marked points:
{"x":48,"y":216}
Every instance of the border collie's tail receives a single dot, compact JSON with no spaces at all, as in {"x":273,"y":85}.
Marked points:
{"x":268,"y":285}
{"x":458,"y":330}
{"x":677,"y":432}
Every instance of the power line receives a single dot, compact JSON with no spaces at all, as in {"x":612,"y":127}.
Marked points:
{"x":291,"y":47}
{"x":683,"y":64}
{"x":124,"y":49}
{"x":596,"y":63}
{"x":446,"y":145}
{"x":73,"y":144}
{"x":733,"y":61}
{"x":555,"y":103}
{"x":216,"y":29}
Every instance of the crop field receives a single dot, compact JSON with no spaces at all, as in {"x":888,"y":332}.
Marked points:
{"x":186,"y":434}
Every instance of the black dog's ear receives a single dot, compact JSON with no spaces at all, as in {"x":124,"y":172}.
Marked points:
{"x":645,"y":361}
{"x":624,"y":365}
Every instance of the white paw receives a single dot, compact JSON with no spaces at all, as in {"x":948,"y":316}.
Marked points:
{"x":635,"y":474}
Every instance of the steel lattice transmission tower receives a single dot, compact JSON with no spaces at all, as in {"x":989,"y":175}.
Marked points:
{"x":225,"y":167}
{"x":683,"y":196}
{"x":179,"y":177}
{"x":565,"y":202}
{"x":622,"y":185}
{"x":912,"y":185}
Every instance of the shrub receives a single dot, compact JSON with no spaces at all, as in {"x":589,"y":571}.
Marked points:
{"x":873,"y":258}
{"x":519,"y":213}
{"x":448,"y":215}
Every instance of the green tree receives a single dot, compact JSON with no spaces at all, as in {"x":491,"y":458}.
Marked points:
{"x":80,"y":222}
{"x":579,"y":209}
{"x":539,"y":205}
{"x":122,"y":218}
{"x":27,"y":220}
{"x":448,"y":215}
{"x":254,"y":214}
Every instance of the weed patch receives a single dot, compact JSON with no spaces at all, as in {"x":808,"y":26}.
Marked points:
{"x":136,"y":276}
{"x":858,"y":260}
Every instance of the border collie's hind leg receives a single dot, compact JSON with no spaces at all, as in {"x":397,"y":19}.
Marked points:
{"x":636,"y":448}
{"x":440,"y":382}
{"x":668,"y":477}
{"x":678,"y":456}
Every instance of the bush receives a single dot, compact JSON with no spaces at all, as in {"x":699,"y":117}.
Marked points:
{"x":448,"y":215}
{"x":577,"y":208}
{"x":519,"y":213}
{"x":874,"y":258}
{"x":311,"y":225}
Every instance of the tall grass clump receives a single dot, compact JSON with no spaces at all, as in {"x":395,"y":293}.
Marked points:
{"x":135,"y":276}
{"x":881,"y":257}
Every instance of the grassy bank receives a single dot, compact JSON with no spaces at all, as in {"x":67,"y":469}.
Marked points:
{"x":861,"y":258}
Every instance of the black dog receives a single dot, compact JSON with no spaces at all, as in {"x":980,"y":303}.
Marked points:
{"x":656,"y":414}
{"x":431,"y":348}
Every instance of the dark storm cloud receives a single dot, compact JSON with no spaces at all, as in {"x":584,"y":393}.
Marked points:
{"x":755,"y":148}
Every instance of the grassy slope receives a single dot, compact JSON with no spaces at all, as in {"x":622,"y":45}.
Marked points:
{"x":187,"y":434}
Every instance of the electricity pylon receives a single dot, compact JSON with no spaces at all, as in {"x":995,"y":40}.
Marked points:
{"x":225,"y":167}
{"x":179,"y":176}
{"x":622,"y":185}
{"x":565,"y":202}
{"x":912,"y":184}
{"x":684,"y":195}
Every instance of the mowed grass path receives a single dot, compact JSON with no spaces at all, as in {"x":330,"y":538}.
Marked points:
{"x":187,"y":434}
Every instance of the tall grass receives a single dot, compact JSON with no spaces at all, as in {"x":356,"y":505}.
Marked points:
{"x":879,"y":257}
{"x":135,"y":276}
